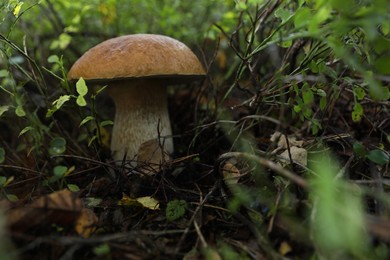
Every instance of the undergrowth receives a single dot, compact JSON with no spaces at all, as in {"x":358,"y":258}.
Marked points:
{"x":281,"y":152}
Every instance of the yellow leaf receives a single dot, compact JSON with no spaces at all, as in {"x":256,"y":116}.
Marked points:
{"x":149,"y":202}
{"x":145,"y":202}
{"x":17,"y":9}
{"x":284,"y":248}
{"x":86,"y":223}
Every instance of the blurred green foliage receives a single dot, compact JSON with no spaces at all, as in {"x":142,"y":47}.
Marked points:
{"x":298,"y":57}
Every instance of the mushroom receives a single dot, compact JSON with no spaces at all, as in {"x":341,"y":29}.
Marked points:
{"x":137,"y":69}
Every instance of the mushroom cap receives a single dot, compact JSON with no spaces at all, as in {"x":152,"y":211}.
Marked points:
{"x":138,"y":56}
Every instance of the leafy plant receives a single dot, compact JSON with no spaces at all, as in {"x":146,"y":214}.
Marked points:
{"x":175,"y":209}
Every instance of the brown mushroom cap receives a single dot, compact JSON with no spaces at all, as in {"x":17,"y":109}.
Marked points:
{"x":135,"y":56}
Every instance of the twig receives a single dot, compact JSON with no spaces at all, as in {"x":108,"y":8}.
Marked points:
{"x":191,"y":221}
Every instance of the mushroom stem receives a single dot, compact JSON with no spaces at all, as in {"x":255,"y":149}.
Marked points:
{"x":141,"y":115}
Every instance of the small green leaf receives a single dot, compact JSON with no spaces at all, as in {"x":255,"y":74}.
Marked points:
{"x":25,"y":130}
{"x":61,"y":101}
{"x":4,"y":73}
{"x":73,"y":187}
{"x":12,"y":197}
{"x":378,"y":156}
{"x":81,"y":101}
{"x":100,"y":250}
{"x":313,"y":66}
{"x":53,"y":59}
{"x":357,"y":112}
{"x":106,"y":123}
{"x":297,"y":108}
{"x":307,"y":95}
{"x":2,"y":155}
{"x":59,"y":171}
{"x":19,"y":111}
{"x":302,"y":17}
{"x":359,"y":149}
{"x":64,"y":40}
{"x":175,"y":209}
{"x":3,"y":109}
{"x":382,"y":65}
{"x":92,"y":202}
{"x":323,"y":103}
{"x":57,"y":146}
{"x":81,"y":87}
{"x":283,"y":14}
{"x":359,"y":92}
{"x":92,"y":140}
{"x":3,"y":179}
{"x":86,"y":119}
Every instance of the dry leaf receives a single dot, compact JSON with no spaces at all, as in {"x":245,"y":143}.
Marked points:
{"x":61,"y":208}
{"x":150,"y":157}
{"x":298,"y":155}
{"x":86,"y":223}
{"x":284,"y":248}
{"x":282,"y":141}
{"x":231,"y":174}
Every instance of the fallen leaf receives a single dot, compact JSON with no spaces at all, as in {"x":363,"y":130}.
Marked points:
{"x":231,"y":174}
{"x":145,"y":202}
{"x":149,"y":202}
{"x":60,"y":208}
{"x":284,"y":248}
{"x":282,"y":141}
{"x":298,"y":155}
{"x":86,"y":223}
{"x":150,"y":157}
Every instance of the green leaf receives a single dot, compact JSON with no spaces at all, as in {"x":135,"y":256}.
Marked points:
{"x":100,"y":250}
{"x":86,"y":119}
{"x":106,"y":123}
{"x":4,"y":73}
{"x":357,"y":112}
{"x":378,"y":156}
{"x":3,"y":179}
{"x":25,"y":130}
{"x":57,"y":146}
{"x":53,"y":59}
{"x":12,"y":197}
{"x":313,"y":66}
{"x":323,"y":103}
{"x":307,"y":95}
{"x":92,"y":202}
{"x":81,"y":101}
{"x":383,"y":65}
{"x":336,"y":230}
{"x":175,"y":209}
{"x":2,"y":155}
{"x":359,"y":92}
{"x":3,"y":109}
{"x":64,"y":40}
{"x":19,"y":111}
{"x":81,"y":87}
{"x":359,"y":149}
{"x":297,"y":108}
{"x":302,"y":17}
{"x":73,"y":187}
{"x":283,"y":14}
{"x":61,"y":101}
{"x":59,"y":171}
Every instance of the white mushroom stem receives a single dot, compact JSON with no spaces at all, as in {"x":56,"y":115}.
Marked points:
{"x":141,"y":115}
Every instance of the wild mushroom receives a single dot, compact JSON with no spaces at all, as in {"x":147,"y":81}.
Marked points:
{"x":137,"y":69}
